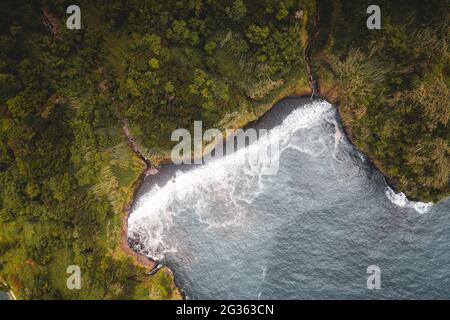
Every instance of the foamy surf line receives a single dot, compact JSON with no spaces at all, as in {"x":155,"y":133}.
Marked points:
{"x":154,"y":212}
{"x":400,"y":199}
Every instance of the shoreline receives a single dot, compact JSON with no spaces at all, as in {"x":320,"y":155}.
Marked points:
{"x":141,"y":260}
{"x":312,"y":92}
{"x":150,"y":265}
{"x":331,"y":96}
{"x":165,"y":175}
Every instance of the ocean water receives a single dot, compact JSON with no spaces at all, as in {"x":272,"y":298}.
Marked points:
{"x":230,"y":229}
{"x":3,"y":296}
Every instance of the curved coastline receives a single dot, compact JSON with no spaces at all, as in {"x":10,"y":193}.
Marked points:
{"x":150,"y":266}
{"x":166,"y":170}
{"x":147,"y":262}
{"x":276,"y":114}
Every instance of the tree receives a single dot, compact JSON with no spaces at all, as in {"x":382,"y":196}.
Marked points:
{"x":256,"y":34}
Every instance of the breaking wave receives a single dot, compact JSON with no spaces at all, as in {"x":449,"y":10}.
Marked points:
{"x":232,"y":180}
{"x":219,"y":193}
{"x":401,"y":200}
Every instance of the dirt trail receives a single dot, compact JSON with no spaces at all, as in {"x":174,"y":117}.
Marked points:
{"x":312,"y":80}
{"x":134,"y":145}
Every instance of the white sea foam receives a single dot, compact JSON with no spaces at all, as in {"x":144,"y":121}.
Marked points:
{"x":264,"y":270}
{"x":231,"y":179}
{"x":401,"y":200}
{"x":220,"y":191}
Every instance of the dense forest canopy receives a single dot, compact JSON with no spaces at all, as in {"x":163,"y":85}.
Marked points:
{"x":393,"y":87}
{"x":66,"y":171}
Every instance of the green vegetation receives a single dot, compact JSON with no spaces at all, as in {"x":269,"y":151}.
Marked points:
{"x":393,"y":87}
{"x":66,"y":172}
{"x":206,"y":60}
